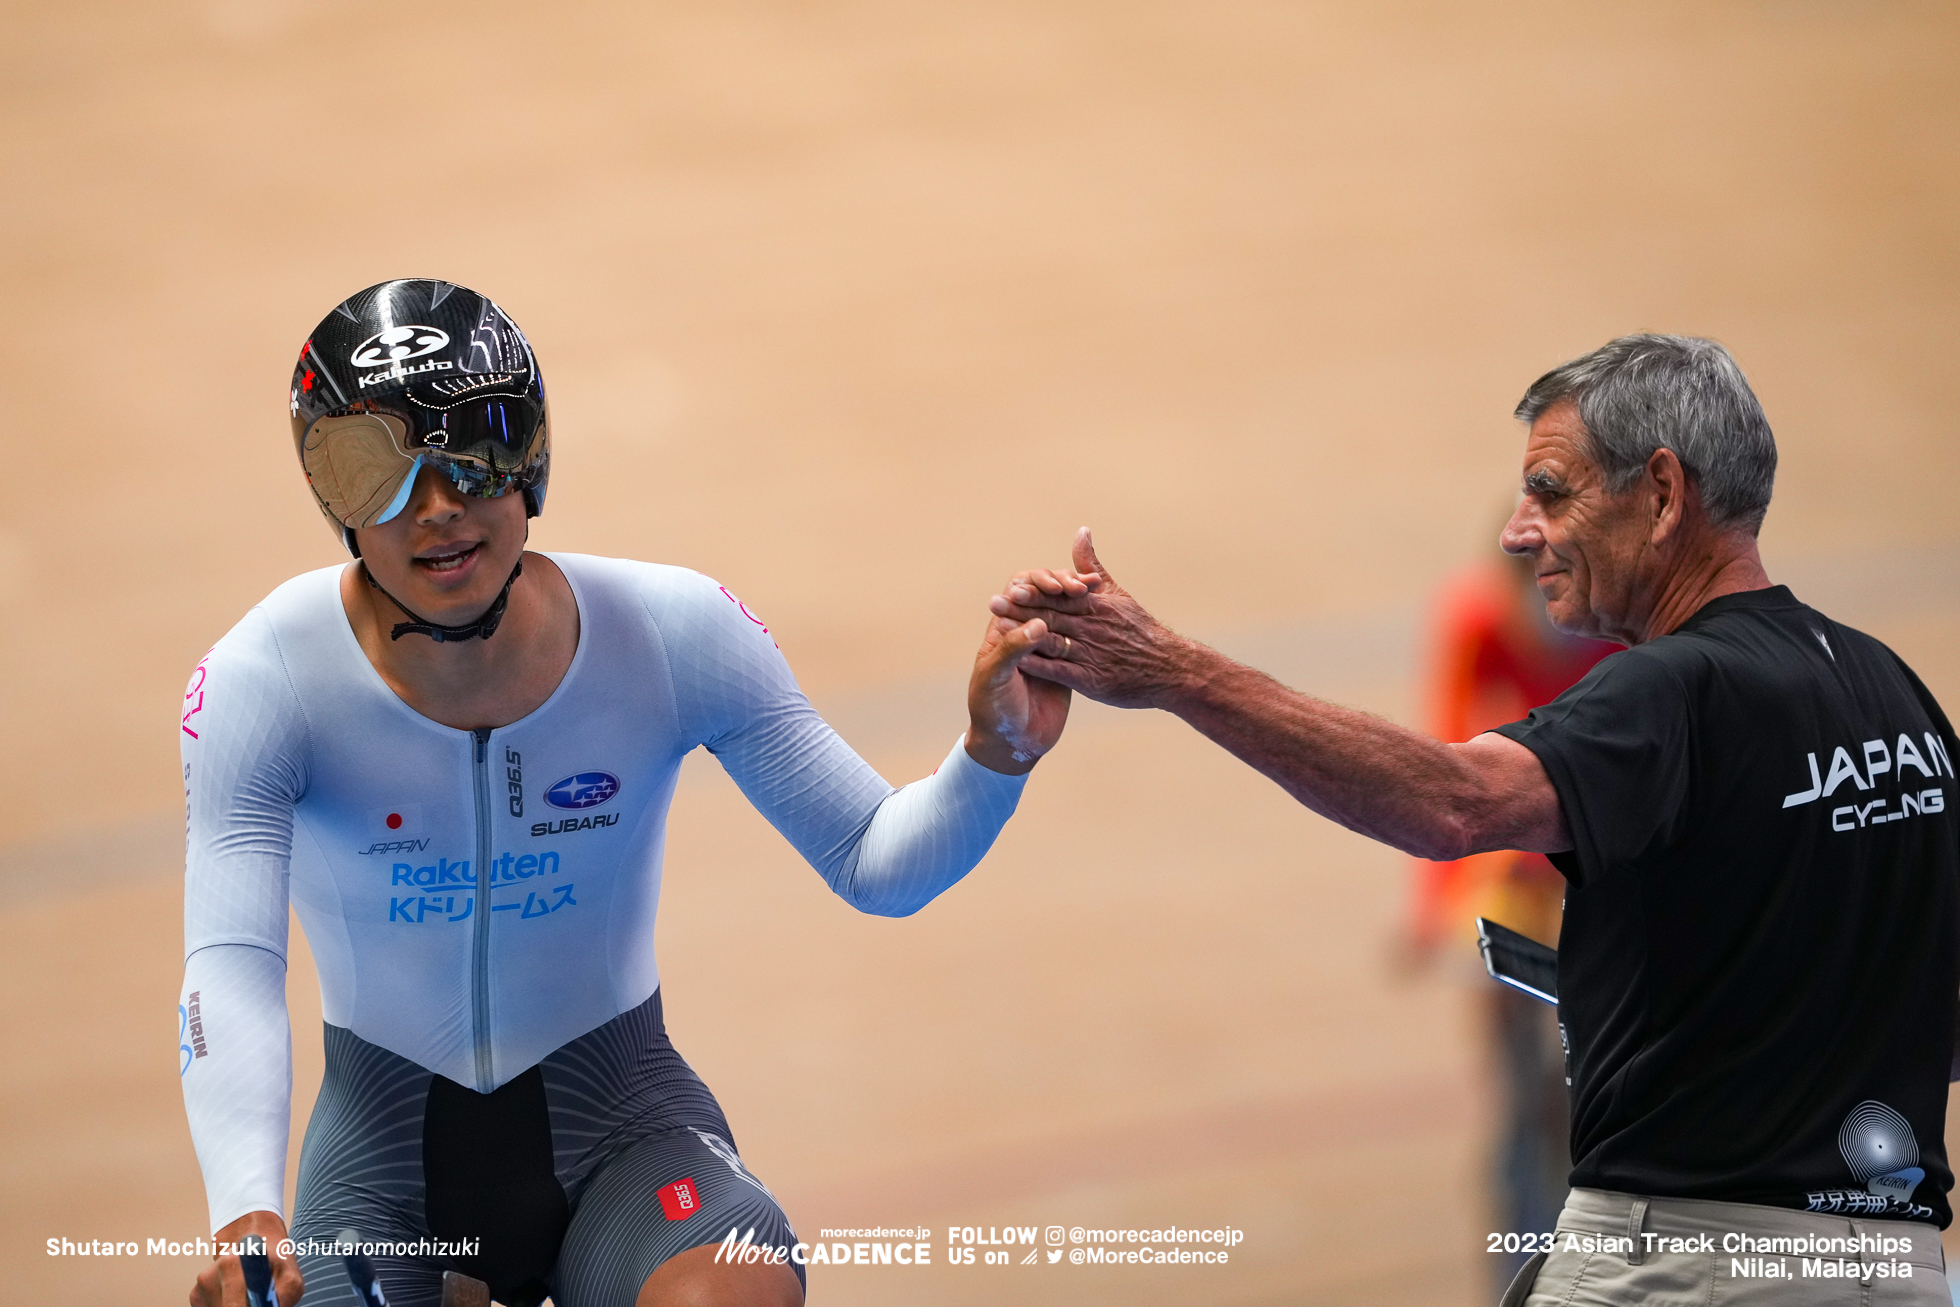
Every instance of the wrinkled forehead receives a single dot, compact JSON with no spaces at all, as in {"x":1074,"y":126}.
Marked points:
{"x":1557,"y":447}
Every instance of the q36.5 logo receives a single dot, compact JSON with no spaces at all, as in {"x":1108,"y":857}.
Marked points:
{"x":588,"y":789}
{"x":398,"y":345}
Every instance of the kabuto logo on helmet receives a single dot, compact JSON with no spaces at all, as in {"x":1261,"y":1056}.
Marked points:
{"x":397,"y":345}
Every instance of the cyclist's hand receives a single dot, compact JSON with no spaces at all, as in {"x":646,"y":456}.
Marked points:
{"x":1015,"y":718}
{"x":222,"y":1283}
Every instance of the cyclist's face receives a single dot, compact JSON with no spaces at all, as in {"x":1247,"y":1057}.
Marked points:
{"x":446,"y":554}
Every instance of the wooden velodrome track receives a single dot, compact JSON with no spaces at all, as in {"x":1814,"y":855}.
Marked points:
{"x":858,"y":307}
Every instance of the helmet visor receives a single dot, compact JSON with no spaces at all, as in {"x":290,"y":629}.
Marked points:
{"x":361,"y":462}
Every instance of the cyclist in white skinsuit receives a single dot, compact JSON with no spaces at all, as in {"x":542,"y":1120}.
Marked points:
{"x":467,"y":811}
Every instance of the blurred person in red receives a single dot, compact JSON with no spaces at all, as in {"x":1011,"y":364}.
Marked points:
{"x":1495,"y":656}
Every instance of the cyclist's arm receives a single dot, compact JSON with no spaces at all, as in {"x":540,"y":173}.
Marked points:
{"x":884,"y":851}
{"x":925,"y":836}
{"x":242,"y":754}
{"x":890,"y":856}
{"x":238,"y":1085}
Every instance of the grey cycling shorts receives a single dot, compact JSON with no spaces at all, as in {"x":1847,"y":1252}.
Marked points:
{"x":577,"y":1179}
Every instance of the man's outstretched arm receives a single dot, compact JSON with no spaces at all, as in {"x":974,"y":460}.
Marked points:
{"x":1434,"y":800}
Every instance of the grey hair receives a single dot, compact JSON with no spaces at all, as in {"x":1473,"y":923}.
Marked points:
{"x":1643,"y":393}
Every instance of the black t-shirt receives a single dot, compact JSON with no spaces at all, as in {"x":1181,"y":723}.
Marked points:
{"x":1757,"y":969}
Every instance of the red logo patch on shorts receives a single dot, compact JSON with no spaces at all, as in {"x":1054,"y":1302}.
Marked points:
{"x":680,"y":1199}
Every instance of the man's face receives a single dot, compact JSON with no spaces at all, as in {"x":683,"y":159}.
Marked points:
{"x":1585,"y":545}
{"x":446,"y":555}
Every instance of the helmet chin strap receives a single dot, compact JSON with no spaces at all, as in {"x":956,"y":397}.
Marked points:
{"x":481,"y":629}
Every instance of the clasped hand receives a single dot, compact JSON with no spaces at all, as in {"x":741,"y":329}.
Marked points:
{"x":1093,"y":636}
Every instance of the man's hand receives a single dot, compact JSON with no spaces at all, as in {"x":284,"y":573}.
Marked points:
{"x":1015,"y":719}
{"x":1101,"y":640}
{"x":222,"y":1283}
{"x":1439,"y":801}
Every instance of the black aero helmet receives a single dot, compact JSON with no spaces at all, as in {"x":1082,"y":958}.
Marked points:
{"x":411,"y":373}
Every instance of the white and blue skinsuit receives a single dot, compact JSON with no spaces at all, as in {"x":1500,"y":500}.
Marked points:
{"x":479,"y":902}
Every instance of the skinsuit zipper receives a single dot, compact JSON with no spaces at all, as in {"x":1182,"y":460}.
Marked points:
{"x":480,"y":955}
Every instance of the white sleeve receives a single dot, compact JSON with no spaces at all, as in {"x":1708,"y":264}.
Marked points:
{"x":243,"y":748}
{"x":237,"y":1056}
{"x":928,"y":835}
{"x":884,"y":851}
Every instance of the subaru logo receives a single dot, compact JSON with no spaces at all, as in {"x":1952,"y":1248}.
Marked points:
{"x":588,"y":789}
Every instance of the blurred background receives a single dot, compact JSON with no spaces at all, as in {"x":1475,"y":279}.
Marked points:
{"x":859,"y":306}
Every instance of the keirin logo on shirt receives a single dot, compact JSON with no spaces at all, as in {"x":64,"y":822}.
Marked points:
{"x":1878,"y":1145}
{"x":190,"y":1031}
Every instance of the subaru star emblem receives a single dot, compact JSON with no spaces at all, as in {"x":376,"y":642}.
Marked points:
{"x":588,"y":789}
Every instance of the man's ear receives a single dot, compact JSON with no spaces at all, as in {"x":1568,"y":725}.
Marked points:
{"x":1672,"y":491}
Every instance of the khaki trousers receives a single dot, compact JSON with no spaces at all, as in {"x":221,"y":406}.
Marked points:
{"x":1613,"y":1249}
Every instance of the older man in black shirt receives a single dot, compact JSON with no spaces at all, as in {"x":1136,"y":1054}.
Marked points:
{"x":1753,"y":807}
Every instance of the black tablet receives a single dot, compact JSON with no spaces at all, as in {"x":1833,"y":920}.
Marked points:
{"x":1518,"y":961}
